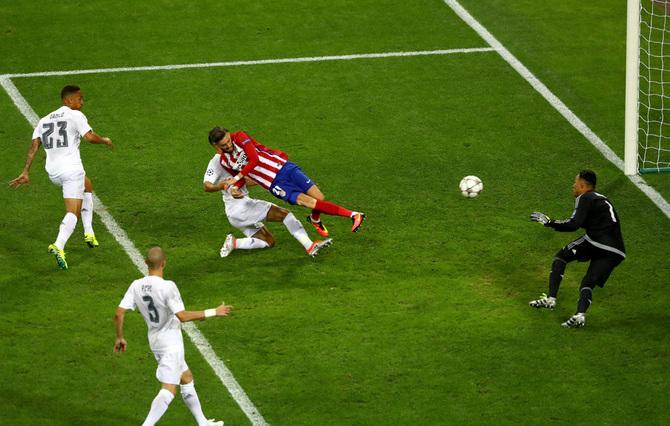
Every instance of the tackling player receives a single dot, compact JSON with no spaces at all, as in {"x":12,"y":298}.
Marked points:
{"x":247,"y":214}
{"x":60,"y":132}
{"x":160,"y":304}
{"x":242,"y":156}
{"x":602,"y":245}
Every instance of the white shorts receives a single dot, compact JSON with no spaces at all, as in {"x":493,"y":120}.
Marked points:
{"x":247,"y":214}
{"x":171,"y":365}
{"x":71,"y":182}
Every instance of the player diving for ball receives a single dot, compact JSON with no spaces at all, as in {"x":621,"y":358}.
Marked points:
{"x":160,"y":304}
{"x":602,"y":245}
{"x":242,"y":156}
{"x":247,"y":214}
{"x":60,"y":132}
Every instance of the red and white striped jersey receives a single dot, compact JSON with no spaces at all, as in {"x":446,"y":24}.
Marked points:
{"x":253,"y":159}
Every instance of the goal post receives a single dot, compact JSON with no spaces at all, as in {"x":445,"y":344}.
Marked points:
{"x":647,"y":117}
{"x":632,"y":86}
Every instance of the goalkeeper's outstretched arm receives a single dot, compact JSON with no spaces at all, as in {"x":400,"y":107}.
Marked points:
{"x":571,"y":224}
{"x":575,"y":221}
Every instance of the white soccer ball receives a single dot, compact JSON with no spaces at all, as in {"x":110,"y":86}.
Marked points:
{"x":471,"y":186}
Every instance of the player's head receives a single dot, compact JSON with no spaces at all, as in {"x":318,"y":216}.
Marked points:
{"x":155,"y":258}
{"x":585,"y":181}
{"x":220,"y":140}
{"x":72,"y":97}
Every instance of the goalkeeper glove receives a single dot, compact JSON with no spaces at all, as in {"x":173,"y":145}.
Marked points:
{"x":540,"y":217}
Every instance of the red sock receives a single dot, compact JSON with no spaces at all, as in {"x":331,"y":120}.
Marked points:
{"x":316,"y":215}
{"x":332,"y":209}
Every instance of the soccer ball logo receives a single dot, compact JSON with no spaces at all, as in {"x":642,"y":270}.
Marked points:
{"x":471,"y":186}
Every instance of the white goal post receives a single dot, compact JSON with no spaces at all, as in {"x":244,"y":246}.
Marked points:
{"x":647,"y":129}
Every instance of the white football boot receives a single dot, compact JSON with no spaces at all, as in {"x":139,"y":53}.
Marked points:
{"x":317,"y":245}
{"x":575,"y":321}
{"x":543,"y":302}
{"x":228,"y":246}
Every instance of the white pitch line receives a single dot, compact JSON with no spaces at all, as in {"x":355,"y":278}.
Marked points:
{"x":563,"y":109}
{"x":121,"y":237}
{"x":254,"y":62}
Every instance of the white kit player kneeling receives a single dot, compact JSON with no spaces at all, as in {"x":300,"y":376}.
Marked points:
{"x":247,"y":214}
{"x":160,"y":304}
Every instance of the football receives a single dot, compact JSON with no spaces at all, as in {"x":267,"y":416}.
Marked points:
{"x":471,"y":186}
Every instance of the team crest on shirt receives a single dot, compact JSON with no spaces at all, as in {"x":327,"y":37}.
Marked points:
{"x":240,"y":162}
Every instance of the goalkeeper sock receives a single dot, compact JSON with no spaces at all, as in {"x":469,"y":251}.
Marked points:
{"x":585,"y":295}
{"x":332,"y":209}
{"x":249,"y":243}
{"x":297,"y":230}
{"x":556,"y":276}
{"x":159,"y":406}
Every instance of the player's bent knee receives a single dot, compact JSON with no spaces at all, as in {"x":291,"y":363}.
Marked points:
{"x":186,"y":377}
{"x":277,"y":214}
{"x":305,"y":200}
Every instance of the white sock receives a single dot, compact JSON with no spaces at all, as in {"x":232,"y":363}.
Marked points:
{"x":249,"y":243}
{"x":66,"y":229}
{"x":159,"y":406}
{"x":190,"y":397}
{"x":297,"y":230}
{"x":87,"y":213}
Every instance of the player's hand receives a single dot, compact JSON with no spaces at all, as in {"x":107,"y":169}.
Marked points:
{"x":120,"y":345}
{"x":22,"y":179}
{"x":108,"y":142}
{"x":222,"y":310}
{"x":540,"y":217}
{"x":235,"y":192}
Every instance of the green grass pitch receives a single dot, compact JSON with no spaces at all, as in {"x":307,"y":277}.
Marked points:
{"x":421,"y":318}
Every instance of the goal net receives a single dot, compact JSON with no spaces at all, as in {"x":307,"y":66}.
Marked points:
{"x":652,"y":125}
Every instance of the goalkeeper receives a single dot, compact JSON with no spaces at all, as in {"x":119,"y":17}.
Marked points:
{"x":602,"y":245}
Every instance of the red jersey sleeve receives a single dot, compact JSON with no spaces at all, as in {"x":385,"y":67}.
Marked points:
{"x":248,"y":144}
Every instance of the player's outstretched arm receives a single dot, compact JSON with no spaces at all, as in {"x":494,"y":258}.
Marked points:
{"x":120,"y":345}
{"x":220,"y":311}
{"x":94,"y":138}
{"x":540,"y":218}
{"x":24,"y":177}
{"x":224,"y":185}
{"x":577,"y":219}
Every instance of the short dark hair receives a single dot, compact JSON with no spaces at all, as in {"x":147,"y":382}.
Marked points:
{"x":588,"y":176}
{"x":69,"y":90}
{"x":216,"y":134}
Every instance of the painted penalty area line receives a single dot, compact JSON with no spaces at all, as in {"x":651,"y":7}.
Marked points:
{"x":121,"y":237}
{"x":255,"y":62}
{"x":558,"y":104}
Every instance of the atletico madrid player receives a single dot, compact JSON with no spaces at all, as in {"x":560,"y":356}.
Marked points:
{"x":242,"y":156}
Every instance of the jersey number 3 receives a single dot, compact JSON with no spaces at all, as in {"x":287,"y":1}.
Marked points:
{"x":49,"y":129}
{"x":153,"y":312}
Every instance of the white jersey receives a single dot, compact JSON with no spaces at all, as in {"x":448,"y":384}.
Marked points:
{"x":216,"y":173}
{"x":60,"y":133}
{"x":158,"y":301}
